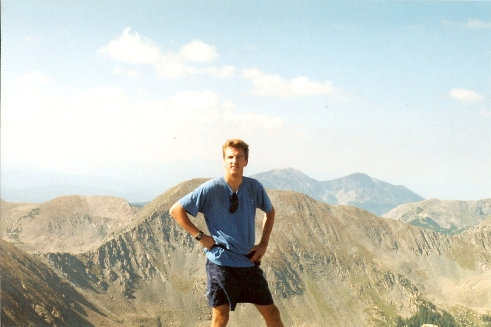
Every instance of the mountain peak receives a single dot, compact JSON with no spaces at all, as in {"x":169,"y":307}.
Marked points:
{"x":287,"y":179}
{"x":357,"y":189}
{"x":285,"y":172}
{"x":360,"y":178}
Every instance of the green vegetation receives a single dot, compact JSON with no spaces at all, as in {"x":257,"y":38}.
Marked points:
{"x":32,"y":213}
{"x":430,"y":224}
{"x":427,"y":314}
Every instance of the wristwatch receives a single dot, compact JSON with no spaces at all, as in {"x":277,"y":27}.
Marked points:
{"x":199,"y":236}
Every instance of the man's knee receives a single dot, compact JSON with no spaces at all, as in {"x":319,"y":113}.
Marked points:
{"x":220,"y":315}
{"x":275,"y":313}
{"x":271,"y":313}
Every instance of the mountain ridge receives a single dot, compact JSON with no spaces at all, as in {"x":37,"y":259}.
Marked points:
{"x":447,"y":216}
{"x":325,"y":263}
{"x":345,"y":265}
{"x":72,"y":222}
{"x":356,"y":189}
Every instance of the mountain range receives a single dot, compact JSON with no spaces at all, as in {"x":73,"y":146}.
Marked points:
{"x":357,"y":189}
{"x":334,"y":265}
{"x":444,"y":216}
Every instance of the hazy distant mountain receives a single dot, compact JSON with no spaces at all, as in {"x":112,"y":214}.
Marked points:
{"x":68,"y":223}
{"x":443,"y":216}
{"x":18,"y":186}
{"x":357,"y":189}
{"x":327,"y":266}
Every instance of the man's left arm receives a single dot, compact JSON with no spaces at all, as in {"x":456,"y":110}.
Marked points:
{"x":260,"y":249}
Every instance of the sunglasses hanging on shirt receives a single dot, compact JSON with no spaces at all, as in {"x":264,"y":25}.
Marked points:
{"x":234,"y":205}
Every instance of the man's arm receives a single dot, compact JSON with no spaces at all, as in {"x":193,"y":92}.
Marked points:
{"x":181,"y":216}
{"x":260,"y":249}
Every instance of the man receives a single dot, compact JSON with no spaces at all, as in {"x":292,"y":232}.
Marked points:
{"x":229,"y":205}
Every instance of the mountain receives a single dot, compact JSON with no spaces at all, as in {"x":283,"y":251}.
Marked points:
{"x":326,"y":265}
{"x":69,"y":223}
{"x":21,"y":186}
{"x":357,"y":189}
{"x":34,"y":295}
{"x":443,"y":216}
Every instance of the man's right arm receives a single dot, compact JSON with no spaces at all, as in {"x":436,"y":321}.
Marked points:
{"x":181,"y":216}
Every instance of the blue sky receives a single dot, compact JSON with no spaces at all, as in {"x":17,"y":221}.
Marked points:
{"x":145,"y":92}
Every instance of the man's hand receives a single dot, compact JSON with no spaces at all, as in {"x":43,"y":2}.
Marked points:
{"x":258,"y":252}
{"x":207,"y":241}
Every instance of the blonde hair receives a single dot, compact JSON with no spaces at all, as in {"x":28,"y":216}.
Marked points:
{"x":237,"y":144}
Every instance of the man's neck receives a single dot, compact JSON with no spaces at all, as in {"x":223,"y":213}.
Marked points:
{"x":233,"y":181}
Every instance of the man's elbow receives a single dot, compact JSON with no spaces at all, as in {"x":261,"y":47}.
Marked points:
{"x":173,"y":211}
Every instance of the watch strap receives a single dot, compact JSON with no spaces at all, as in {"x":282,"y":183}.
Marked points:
{"x":199,"y":236}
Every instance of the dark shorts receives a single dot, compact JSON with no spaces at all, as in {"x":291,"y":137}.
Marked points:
{"x":230,"y":285}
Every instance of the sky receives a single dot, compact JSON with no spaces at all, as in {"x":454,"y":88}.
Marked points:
{"x":140,"y":95}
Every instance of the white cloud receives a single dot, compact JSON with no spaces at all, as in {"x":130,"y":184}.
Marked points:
{"x":131,"y":73}
{"x":132,"y":48}
{"x":105,"y":126}
{"x":263,"y":84}
{"x":471,"y":23}
{"x":221,"y":72}
{"x":466,"y":96}
{"x":198,"y":51}
{"x":274,"y":85}
{"x":302,"y":86}
{"x":173,"y":67}
{"x":476,"y":23}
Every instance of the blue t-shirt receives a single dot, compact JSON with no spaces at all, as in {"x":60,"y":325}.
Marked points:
{"x":235,"y":231}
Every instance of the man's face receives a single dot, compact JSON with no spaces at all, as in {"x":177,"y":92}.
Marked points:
{"x":234,"y":161}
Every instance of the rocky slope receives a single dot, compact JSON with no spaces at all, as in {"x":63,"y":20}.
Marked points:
{"x":327,"y":265}
{"x":69,"y":223}
{"x":34,"y":295}
{"x":443,"y":216}
{"x":357,"y":189}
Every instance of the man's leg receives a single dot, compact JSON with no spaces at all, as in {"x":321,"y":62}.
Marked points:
{"x":220,"y":315}
{"x":271,"y":315}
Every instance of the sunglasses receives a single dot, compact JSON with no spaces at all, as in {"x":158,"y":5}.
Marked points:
{"x":234,"y":205}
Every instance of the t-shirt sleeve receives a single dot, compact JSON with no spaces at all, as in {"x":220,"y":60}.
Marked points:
{"x":192,"y":201}
{"x":263,"y":201}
